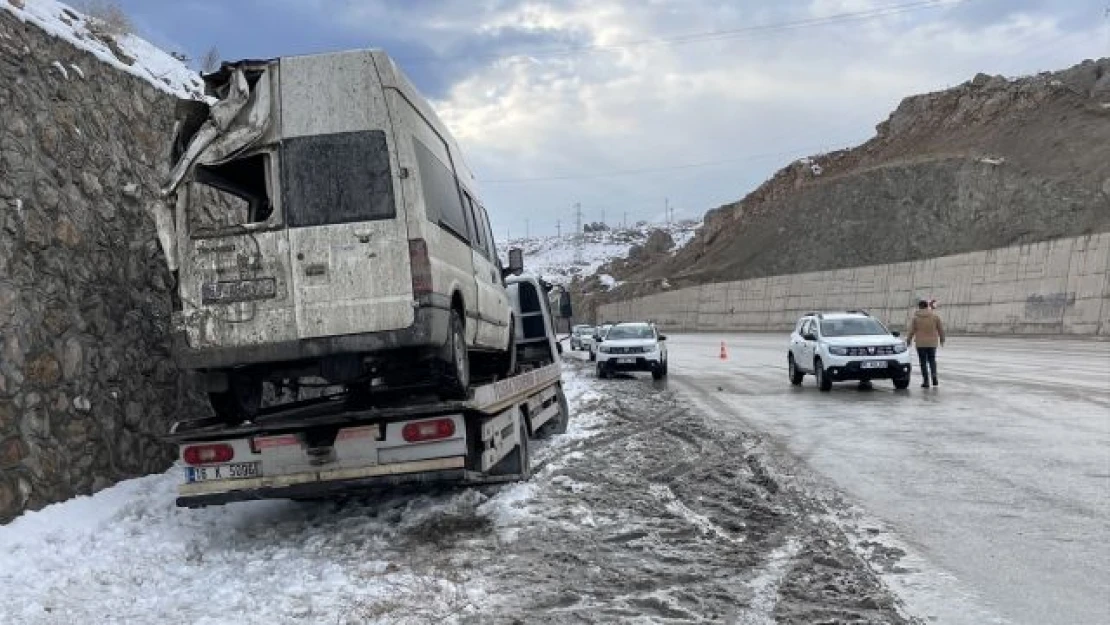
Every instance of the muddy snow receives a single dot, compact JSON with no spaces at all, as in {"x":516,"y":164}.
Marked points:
{"x":640,"y":513}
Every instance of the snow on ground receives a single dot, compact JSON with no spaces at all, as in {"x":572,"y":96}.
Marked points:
{"x":146,"y":60}
{"x":554,"y":258}
{"x":129,"y":555}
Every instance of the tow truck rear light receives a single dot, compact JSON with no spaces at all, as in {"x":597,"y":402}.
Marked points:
{"x":421,"y":266}
{"x":208,"y":454}
{"x":434,"y":429}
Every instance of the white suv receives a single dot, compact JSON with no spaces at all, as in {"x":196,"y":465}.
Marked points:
{"x":849,"y":345}
{"x":632,"y":347}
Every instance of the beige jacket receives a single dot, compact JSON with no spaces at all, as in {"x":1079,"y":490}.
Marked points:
{"x":926,"y":328}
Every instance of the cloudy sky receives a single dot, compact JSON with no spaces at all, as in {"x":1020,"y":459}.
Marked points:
{"x":625,"y":106}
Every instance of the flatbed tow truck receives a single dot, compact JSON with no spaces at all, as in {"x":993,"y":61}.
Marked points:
{"x":328,"y":446}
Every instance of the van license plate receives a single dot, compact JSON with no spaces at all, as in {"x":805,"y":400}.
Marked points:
{"x":874,"y":364}
{"x":233,"y":471}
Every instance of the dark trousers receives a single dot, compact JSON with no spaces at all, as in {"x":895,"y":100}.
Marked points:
{"x":928,"y":359}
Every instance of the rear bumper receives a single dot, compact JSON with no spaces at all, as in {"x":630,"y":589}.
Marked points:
{"x":429,"y":329}
{"x":854,"y":370}
{"x":316,"y":485}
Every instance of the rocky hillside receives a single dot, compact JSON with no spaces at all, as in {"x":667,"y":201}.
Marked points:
{"x":990,"y":163}
{"x":87,"y":384}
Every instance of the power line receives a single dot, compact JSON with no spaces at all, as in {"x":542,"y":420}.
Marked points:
{"x":646,"y":170}
{"x":714,"y":35}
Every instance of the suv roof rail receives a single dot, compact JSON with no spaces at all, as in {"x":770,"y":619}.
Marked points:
{"x":811,"y":313}
{"x":859,"y":312}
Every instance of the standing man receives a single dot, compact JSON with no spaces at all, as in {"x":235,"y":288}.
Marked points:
{"x":929,"y":332}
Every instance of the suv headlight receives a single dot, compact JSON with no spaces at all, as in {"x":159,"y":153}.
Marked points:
{"x":838,"y":351}
{"x":603,"y":349}
{"x":900,"y":347}
{"x":650,"y":349}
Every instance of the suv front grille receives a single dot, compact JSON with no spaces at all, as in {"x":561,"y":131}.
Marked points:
{"x":626,"y":350}
{"x":877,"y":350}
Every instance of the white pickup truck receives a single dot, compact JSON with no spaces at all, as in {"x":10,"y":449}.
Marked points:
{"x":342,"y":443}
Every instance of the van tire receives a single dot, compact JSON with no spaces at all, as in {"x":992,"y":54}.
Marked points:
{"x":457,"y":359}
{"x":506,"y":363}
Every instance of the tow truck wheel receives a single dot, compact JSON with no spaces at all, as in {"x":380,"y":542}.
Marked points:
{"x":457,"y":359}
{"x":558,"y":425}
{"x":240,"y":402}
{"x":518,"y":462}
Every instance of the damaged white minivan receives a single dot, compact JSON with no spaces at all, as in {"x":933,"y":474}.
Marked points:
{"x":321,"y":223}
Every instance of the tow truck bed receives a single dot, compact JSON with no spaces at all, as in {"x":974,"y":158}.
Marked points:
{"x":320,"y":449}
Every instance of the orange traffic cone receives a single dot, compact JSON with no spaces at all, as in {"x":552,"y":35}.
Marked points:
{"x":724,"y":352}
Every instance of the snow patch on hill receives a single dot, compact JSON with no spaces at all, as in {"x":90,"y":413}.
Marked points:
{"x":125,"y":52}
{"x":554,"y":258}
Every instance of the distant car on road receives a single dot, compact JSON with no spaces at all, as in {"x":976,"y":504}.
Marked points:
{"x":598,"y":337}
{"x":852,"y":345}
{"x":581,"y":336}
{"x":632,"y":347}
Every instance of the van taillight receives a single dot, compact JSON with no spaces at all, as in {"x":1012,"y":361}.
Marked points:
{"x":208,"y":454}
{"x":421,"y":267}
{"x":434,"y":429}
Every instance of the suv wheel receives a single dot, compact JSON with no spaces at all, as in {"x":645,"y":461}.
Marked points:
{"x":902,"y":383}
{"x":602,"y":371}
{"x":593,"y":356}
{"x":457,"y":359}
{"x":796,"y":374}
{"x":823,"y":381}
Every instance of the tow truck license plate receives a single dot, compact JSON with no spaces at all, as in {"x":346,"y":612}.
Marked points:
{"x":874,"y":364}
{"x":233,"y":471}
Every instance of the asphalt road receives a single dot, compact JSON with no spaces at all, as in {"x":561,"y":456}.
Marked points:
{"x":999,"y":479}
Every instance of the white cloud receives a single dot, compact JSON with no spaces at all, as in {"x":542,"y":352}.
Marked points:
{"x":786,"y":91}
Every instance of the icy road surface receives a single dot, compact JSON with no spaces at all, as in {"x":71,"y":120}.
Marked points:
{"x":1000,"y":478}
{"x":640,"y":513}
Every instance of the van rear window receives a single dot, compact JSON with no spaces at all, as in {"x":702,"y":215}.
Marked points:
{"x":337,"y":178}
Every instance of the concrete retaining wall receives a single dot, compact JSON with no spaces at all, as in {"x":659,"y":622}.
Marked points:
{"x":1053,"y":287}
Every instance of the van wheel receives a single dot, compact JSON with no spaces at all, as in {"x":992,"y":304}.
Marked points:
{"x":506,"y":363}
{"x":457,"y":359}
{"x":240,"y":402}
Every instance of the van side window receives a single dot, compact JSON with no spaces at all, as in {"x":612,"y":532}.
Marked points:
{"x":441,"y":191}
{"x":479,"y":239}
{"x":322,"y":186}
{"x":490,"y":245}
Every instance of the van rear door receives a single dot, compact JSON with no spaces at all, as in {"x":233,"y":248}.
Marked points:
{"x":348,"y":238}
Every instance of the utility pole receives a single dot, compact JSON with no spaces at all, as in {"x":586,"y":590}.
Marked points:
{"x":577,"y":233}
{"x":624,"y":222}
{"x":667,"y":210}
{"x":558,"y":229}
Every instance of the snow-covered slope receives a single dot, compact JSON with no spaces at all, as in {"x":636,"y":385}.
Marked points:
{"x":554,"y":258}
{"x":125,"y":52}
{"x":128,"y":555}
